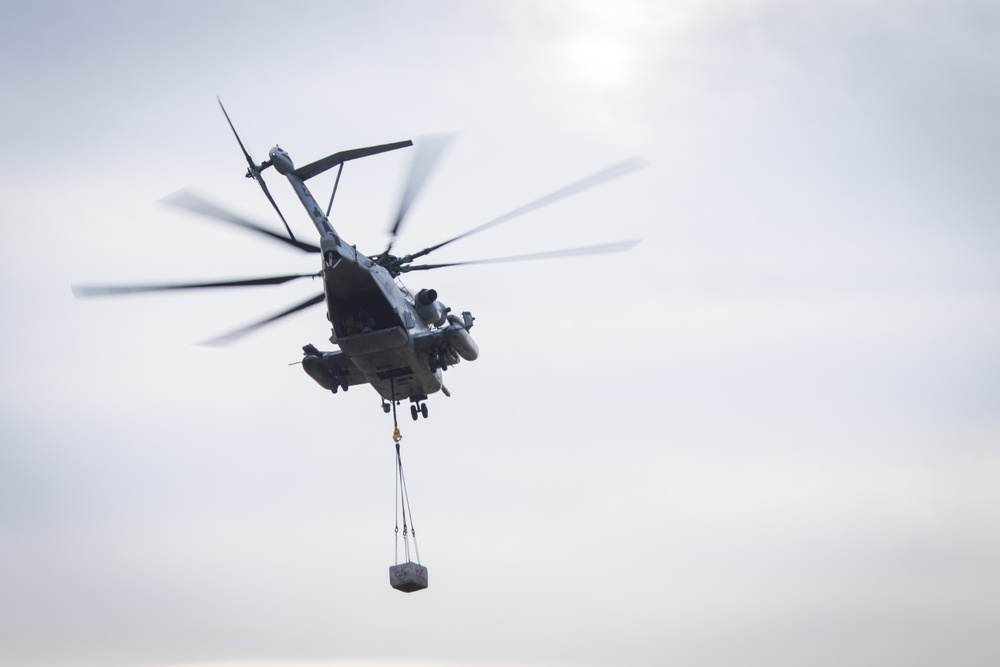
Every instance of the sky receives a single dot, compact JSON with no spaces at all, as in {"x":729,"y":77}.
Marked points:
{"x":769,"y":434}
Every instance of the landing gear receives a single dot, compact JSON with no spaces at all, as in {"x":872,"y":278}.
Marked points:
{"x":437,"y":361}
{"x":341,"y":383}
{"x":418,"y":409}
{"x":443,"y":358}
{"x":386,"y":407}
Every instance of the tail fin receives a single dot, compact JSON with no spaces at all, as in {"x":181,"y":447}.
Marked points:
{"x":319,"y":166}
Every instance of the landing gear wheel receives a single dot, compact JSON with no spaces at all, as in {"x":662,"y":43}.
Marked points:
{"x":386,"y":408}
{"x":423,"y":410}
{"x":413,"y":412}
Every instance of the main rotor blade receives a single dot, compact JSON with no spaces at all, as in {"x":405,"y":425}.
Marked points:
{"x":614,"y":171}
{"x":620,"y":246}
{"x":188,"y":201}
{"x":113,"y":290}
{"x":255,"y":170}
{"x":228,"y":338}
{"x":429,"y":149}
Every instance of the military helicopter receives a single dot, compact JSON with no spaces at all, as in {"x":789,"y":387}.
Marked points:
{"x":396,"y":341}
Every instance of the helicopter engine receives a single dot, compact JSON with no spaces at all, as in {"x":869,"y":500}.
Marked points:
{"x":456,"y":329}
{"x":431,"y":310}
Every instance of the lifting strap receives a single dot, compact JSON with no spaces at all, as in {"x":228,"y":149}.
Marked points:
{"x":402,"y":502}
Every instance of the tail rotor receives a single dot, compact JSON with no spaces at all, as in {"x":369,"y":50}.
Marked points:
{"x":254,"y":170}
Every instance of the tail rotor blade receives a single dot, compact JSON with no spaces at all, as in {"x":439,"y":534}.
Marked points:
{"x":254,"y":170}
{"x":253,"y":167}
{"x":263,"y":186}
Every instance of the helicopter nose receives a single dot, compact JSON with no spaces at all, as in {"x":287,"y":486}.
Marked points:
{"x":281,"y":161}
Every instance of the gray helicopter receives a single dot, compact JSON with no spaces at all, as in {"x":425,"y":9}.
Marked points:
{"x":396,"y":341}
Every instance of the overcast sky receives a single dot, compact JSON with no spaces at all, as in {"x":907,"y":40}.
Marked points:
{"x":767,"y":435}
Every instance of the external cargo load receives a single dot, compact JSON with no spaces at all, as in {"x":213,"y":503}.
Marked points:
{"x":408,"y":577}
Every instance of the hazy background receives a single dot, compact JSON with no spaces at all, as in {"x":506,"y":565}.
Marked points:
{"x":768,"y":435}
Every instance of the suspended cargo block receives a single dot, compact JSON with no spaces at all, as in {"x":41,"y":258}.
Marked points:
{"x":408,"y":577}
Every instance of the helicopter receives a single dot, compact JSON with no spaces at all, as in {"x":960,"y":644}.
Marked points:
{"x":395,"y":340}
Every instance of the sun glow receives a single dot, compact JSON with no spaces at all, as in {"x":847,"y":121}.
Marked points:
{"x":346,"y":663}
{"x":608,"y":44}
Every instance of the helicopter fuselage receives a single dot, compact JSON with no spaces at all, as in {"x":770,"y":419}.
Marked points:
{"x":388,"y":338}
